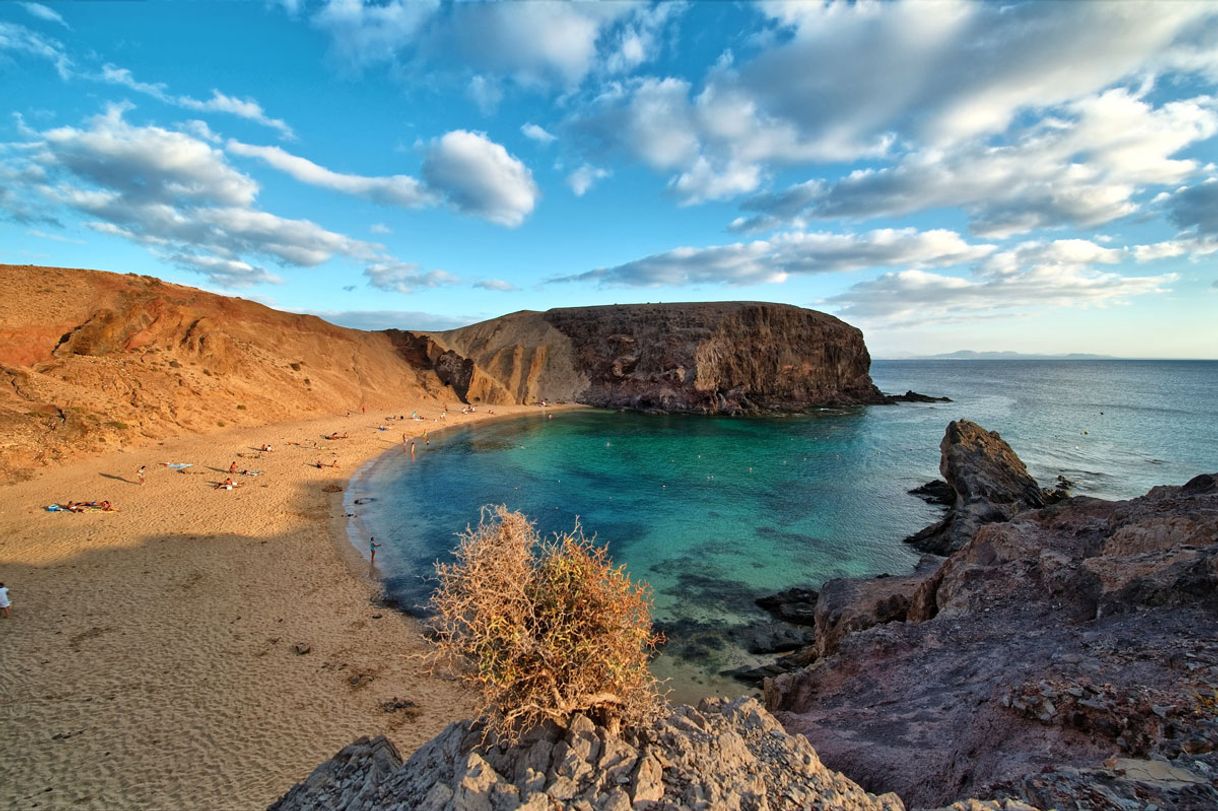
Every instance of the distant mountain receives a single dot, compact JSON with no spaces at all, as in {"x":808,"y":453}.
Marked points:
{"x":969,"y":354}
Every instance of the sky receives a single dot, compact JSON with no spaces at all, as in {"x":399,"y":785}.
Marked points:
{"x":1037,"y":177}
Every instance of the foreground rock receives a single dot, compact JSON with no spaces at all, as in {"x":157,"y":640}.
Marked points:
{"x":722,"y":755}
{"x":721,"y":357}
{"x":990,"y":483}
{"x":1064,"y":656}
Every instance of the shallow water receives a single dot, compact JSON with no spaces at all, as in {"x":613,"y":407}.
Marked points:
{"x":713,"y":512}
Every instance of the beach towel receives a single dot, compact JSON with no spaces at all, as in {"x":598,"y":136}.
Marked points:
{"x":178,"y":465}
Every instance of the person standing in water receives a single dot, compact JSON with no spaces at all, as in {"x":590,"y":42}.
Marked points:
{"x":372,"y":547}
{"x":412,"y":450}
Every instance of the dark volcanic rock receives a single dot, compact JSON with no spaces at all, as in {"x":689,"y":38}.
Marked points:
{"x":935,"y":491}
{"x":712,"y":358}
{"x":795,"y":605}
{"x":1064,"y":655}
{"x":912,"y":396}
{"x":990,"y":484}
{"x":847,"y":605}
{"x":722,"y":755}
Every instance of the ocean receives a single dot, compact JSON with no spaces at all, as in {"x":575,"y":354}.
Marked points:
{"x":713,"y":512}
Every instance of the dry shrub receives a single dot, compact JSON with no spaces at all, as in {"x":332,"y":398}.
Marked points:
{"x":545,"y":629}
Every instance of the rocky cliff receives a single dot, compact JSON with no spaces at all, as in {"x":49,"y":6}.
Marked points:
{"x":1065,"y":656}
{"x":724,"y":357}
{"x":92,"y":360}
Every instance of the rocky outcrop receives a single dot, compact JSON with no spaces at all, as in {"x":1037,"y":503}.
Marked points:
{"x":722,"y":755}
{"x":1063,"y":654}
{"x":724,"y":357}
{"x":989,"y":481}
{"x":847,"y":605}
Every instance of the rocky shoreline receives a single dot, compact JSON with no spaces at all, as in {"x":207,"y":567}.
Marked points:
{"x":1058,"y":652}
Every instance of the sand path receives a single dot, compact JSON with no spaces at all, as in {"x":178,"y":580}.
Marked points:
{"x":149,"y":661}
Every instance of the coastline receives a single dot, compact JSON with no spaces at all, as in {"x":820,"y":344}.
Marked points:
{"x":151,"y":659}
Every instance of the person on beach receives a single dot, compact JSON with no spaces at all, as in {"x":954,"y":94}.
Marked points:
{"x":5,"y":602}
{"x":426,"y":439}
{"x":265,"y":448}
{"x":141,"y":472}
{"x":227,"y":484}
{"x":372,"y":547}
{"x":412,"y":450}
{"x":232,"y":469}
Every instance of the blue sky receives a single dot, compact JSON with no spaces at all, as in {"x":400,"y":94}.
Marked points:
{"x":1032,"y":176}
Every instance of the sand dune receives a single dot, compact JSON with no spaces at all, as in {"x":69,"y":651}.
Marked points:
{"x":149,"y":660}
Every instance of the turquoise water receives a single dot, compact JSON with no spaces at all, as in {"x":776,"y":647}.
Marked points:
{"x":713,"y":512}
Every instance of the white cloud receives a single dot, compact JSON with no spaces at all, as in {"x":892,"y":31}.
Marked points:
{"x":19,"y":39}
{"x":227,"y":272}
{"x":173,"y":193}
{"x":774,"y":260}
{"x":1031,"y":276}
{"x":496,"y":284}
{"x":147,"y":164}
{"x":45,"y":13}
{"x":396,"y":190}
{"x":248,"y":109}
{"x":539,"y":134}
{"x":477,"y":176}
{"x":403,"y":277}
{"x":584,"y":178}
{"x":848,"y":81}
{"x":363,"y":34}
{"x":544,"y":43}
{"x":1082,"y":167}
{"x":380,"y":228}
{"x":485,"y":93}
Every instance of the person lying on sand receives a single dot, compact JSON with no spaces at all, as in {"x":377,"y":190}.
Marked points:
{"x":318,"y":464}
{"x":227,"y":484}
{"x":336,"y":435}
{"x":82,"y":506}
{"x":265,"y":448}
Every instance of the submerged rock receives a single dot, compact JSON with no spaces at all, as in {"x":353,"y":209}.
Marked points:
{"x":722,"y":755}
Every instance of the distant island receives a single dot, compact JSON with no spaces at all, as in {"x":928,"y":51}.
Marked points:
{"x":969,"y":354}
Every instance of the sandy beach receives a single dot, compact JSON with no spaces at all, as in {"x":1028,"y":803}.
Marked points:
{"x":151,"y":657}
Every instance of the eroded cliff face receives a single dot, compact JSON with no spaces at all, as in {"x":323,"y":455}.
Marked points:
{"x":713,"y":358}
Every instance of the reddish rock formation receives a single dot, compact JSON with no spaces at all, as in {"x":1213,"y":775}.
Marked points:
{"x":92,"y":360}
{"x":1063,"y":654}
{"x":724,"y":357}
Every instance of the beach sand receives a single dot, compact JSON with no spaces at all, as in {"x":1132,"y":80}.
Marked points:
{"x":149,"y":661}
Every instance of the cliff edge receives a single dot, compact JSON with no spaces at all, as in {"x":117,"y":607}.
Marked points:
{"x":710,"y":358}
{"x":1062,"y":655}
